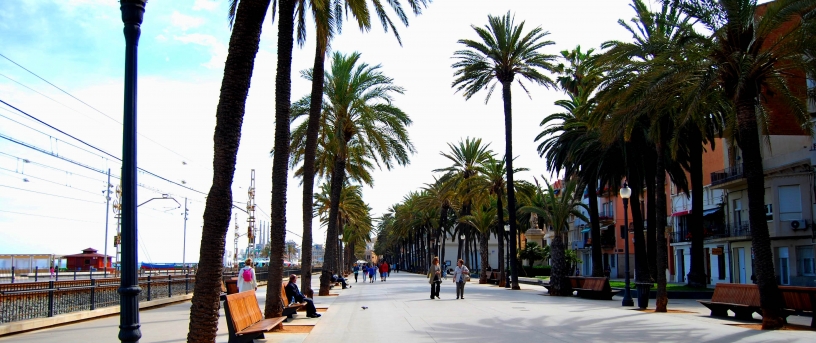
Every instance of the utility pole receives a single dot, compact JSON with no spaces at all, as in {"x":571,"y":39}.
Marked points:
{"x":251,"y":213}
{"x":107,"y":214}
{"x":184,"y":244}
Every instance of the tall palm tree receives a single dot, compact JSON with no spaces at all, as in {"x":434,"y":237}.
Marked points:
{"x":556,"y":209}
{"x":360,"y":103}
{"x":753,"y":52}
{"x":504,"y":53}
{"x":328,"y":20}
{"x":243,"y":47}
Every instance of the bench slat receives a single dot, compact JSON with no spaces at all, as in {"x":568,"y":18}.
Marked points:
{"x":262,"y":326}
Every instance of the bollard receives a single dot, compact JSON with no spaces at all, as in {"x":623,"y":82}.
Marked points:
{"x":36,"y":273}
{"x":12,"y":274}
{"x":187,"y":284}
{"x":93,"y":292}
{"x":50,"y":298}
{"x":169,"y":286}
{"x":149,"y":293}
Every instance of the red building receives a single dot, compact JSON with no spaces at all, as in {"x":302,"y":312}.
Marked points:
{"x":86,"y":260}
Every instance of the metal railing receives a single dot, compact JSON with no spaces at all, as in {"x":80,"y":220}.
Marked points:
{"x":727,"y":174}
{"x":740,"y":229}
{"x":30,"y":300}
{"x":679,"y":237}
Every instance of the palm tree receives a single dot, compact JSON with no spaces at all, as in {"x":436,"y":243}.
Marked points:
{"x":483,"y":218}
{"x":243,"y":46}
{"x":466,"y":157}
{"x":360,"y":105}
{"x":557,"y":207}
{"x":504,"y":53}
{"x":328,"y":19}
{"x":753,"y":52}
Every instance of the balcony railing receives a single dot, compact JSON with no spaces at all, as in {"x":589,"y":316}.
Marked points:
{"x":679,"y":237}
{"x":728,"y":174}
{"x":740,"y":229}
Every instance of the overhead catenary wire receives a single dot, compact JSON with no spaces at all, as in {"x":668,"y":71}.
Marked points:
{"x":51,"y":217}
{"x":46,"y":180}
{"x":98,"y":149}
{"x":53,"y":195}
{"x":86,"y":104}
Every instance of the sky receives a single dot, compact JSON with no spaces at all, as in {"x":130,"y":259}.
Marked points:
{"x":57,"y":205}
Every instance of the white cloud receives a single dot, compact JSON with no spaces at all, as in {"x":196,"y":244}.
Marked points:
{"x":185,"y":22}
{"x":206,"y":5}
{"x":218,"y":50}
{"x":161,"y":38}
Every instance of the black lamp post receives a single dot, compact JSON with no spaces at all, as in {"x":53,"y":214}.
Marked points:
{"x":132,"y":14}
{"x":625,"y":193}
{"x":461,"y":245}
{"x":507,"y":261}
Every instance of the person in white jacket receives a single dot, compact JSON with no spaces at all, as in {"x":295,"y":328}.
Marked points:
{"x":246,"y":278}
{"x":460,"y":275}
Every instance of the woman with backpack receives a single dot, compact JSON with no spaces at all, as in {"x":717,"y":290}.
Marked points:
{"x":246,"y":278}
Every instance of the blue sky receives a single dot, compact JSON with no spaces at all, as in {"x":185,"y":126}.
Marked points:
{"x":78,"y":45}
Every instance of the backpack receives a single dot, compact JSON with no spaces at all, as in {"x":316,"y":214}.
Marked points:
{"x":247,"y":274}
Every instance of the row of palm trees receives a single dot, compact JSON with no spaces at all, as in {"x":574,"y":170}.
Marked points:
{"x":246,"y":18}
{"x":693,"y":72}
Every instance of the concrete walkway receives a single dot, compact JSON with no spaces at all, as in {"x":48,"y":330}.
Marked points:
{"x":400,"y":310}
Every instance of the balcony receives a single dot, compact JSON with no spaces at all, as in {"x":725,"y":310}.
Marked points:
{"x":740,"y":229}
{"x":726,"y":175}
{"x":606,"y":218}
{"x":679,"y":237}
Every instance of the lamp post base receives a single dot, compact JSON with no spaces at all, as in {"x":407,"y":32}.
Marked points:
{"x":627,"y":298}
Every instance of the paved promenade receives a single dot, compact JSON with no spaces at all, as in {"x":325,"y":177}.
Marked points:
{"x":400,"y":310}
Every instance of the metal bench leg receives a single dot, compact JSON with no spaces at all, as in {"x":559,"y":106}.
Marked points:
{"x":717,"y":311}
{"x":743,"y":314}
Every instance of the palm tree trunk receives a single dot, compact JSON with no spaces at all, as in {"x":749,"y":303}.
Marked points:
{"x":651,"y":189}
{"x":444,"y":239}
{"x":243,"y":46}
{"x":483,"y":251}
{"x":330,"y":257}
{"x":280,"y":159}
{"x":595,"y":226}
{"x":769,"y":296}
{"x":500,"y":238}
{"x":511,"y":193}
{"x":641,"y":267}
{"x":559,"y":284}
{"x":697,"y":272}
{"x":312,"y":129}
{"x":660,"y":225}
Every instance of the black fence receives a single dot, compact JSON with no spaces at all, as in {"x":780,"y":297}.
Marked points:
{"x":727,"y":174}
{"x":30,"y":300}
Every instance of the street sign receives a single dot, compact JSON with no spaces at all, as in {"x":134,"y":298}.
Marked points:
{"x":717,"y":251}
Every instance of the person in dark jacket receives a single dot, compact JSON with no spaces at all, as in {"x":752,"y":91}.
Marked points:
{"x":293,"y":293}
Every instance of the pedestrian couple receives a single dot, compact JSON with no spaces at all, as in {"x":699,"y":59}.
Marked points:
{"x":461,"y":275}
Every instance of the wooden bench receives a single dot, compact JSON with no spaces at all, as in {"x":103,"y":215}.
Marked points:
{"x":232,"y":285}
{"x":494,"y":277}
{"x":591,"y":287}
{"x":244,"y":319}
{"x":799,"y":300}
{"x":289,"y":310}
{"x":741,"y":299}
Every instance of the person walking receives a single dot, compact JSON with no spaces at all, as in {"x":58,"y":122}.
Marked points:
{"x":246,"y":277}
{"x":364,"y":269}
{"x":373,"y":272}
{"x":460,"y":276}
{"x":293,"y":293}
{"x":356,"y":269}
{"x":383,"y":270}
{"x":435,"y":278}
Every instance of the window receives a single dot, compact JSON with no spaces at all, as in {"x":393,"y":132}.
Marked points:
{"x":87,"y":261}
{"x":804,"y":257}
{"x":737,"y":212}
{"x":784,"y":272}
{"x":790,"y":203}
{"x":768,"y":205}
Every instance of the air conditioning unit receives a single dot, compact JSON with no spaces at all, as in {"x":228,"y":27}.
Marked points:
{"x":798,"y":225}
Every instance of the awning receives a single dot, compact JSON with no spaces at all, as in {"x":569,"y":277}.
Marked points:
{"x":711,"y":211}
{"x":680,"y":213}
{"x":586,"y":229}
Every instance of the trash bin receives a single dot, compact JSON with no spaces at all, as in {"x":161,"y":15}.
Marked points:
{"x":643,"y":290}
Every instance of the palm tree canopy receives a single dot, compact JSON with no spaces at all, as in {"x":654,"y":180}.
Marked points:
{"x":503,"y":53}
{"x":557,"y":207}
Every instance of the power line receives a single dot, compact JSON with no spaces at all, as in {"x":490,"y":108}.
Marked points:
{"x":46,"y":180}
{"x":53,"y":195}
{"x":49,"y":167}
{"x":49,"y":136}
{"x":98,"y":149}
{"x":86,"y":104}
{"x":42,"y":216}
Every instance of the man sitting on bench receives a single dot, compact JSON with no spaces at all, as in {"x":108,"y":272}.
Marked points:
{"x":340,"y":279}
{"x":292,"y":292}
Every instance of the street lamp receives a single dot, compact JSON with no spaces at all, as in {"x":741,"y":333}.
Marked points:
{"x":507,"y":268}
{"x":625,"y":193}
{"x":129,"y":327}
{"x":461,"y":245}
{"x":340,"y":238}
